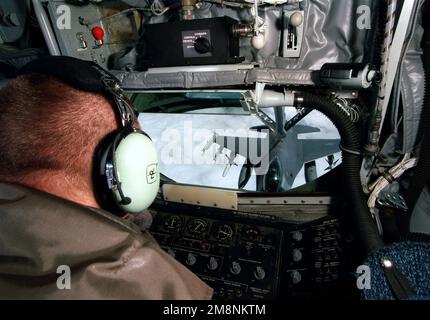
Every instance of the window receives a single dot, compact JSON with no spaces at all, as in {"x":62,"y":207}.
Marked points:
{"x":199,"y":137}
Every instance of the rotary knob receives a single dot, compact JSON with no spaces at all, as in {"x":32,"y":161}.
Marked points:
{"x":202,"y":45}
{"x":298,"y":236}
{"x":213,"y":264}
{"x":259,"y":273}
{"x":235,"y":268}
{"x":297,"y":255}
{"x":296,"y":277}
{"x":191,"y":259}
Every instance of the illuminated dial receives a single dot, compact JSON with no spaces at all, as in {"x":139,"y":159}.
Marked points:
{"x":225,"y":232}
{"x":252,"y":233}
{"x":173,"y":223}
{"x":197,"y":227}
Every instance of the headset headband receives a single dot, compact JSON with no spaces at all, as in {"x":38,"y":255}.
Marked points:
{"x":84,"y":75}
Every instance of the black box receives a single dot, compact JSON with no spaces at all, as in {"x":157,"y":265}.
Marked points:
{"x":191,"y":42}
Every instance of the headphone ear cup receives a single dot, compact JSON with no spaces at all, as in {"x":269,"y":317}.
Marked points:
{"x":136,"y":165}
{"x":103,"y":156}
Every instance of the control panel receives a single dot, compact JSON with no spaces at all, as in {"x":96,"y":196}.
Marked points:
{"x":91,"y":32}
{"x":240,"y":261}
{"x":245,"y":259}
{"x":191,"y":42}
{"x":315,"y":257}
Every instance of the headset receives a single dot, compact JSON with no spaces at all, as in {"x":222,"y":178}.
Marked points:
{"x":126,"y":174}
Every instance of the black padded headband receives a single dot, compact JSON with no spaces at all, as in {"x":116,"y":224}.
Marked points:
{"x":80,"y":74}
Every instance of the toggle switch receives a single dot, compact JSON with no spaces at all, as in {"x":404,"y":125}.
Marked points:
{"x":296,"y":19}
{"x":81,"y":39}
{"x":294,"y":22}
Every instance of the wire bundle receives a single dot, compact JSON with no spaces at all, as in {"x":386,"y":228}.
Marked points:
{"x":393,"y":174}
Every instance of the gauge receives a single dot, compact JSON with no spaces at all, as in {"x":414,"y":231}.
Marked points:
{"x":225,"y":232}
{"x":197,"y":226}
{"x":173,"y":223}
{"x":252,"y":233}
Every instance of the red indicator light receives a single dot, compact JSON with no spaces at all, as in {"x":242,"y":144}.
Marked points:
{"x":98,"y":34}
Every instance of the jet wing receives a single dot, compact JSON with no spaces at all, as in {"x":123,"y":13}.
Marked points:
{"x":314,"y":149}
{"x":301,"y":129}
{"x":250,"y":148}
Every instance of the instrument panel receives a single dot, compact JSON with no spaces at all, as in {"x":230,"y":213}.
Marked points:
{"x":240,"y":261}
{"x":252,"y":259}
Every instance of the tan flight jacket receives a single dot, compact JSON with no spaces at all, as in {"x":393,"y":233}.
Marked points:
{"x":109,"y":258}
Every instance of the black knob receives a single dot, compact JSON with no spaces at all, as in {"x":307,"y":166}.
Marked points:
{"x":259,"y":273}
{"x":202,"y":45}
{"x":191,"y":259}
{"x":235,"y":268}
{"x":213,"y":264}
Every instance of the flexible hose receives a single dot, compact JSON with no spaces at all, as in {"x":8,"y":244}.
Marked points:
{"x":365,"y":226}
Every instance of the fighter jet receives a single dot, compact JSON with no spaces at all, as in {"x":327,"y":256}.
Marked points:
{"x":277,"y":166}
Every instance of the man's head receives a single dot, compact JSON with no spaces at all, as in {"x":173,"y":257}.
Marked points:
{"x":49,"y":132}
